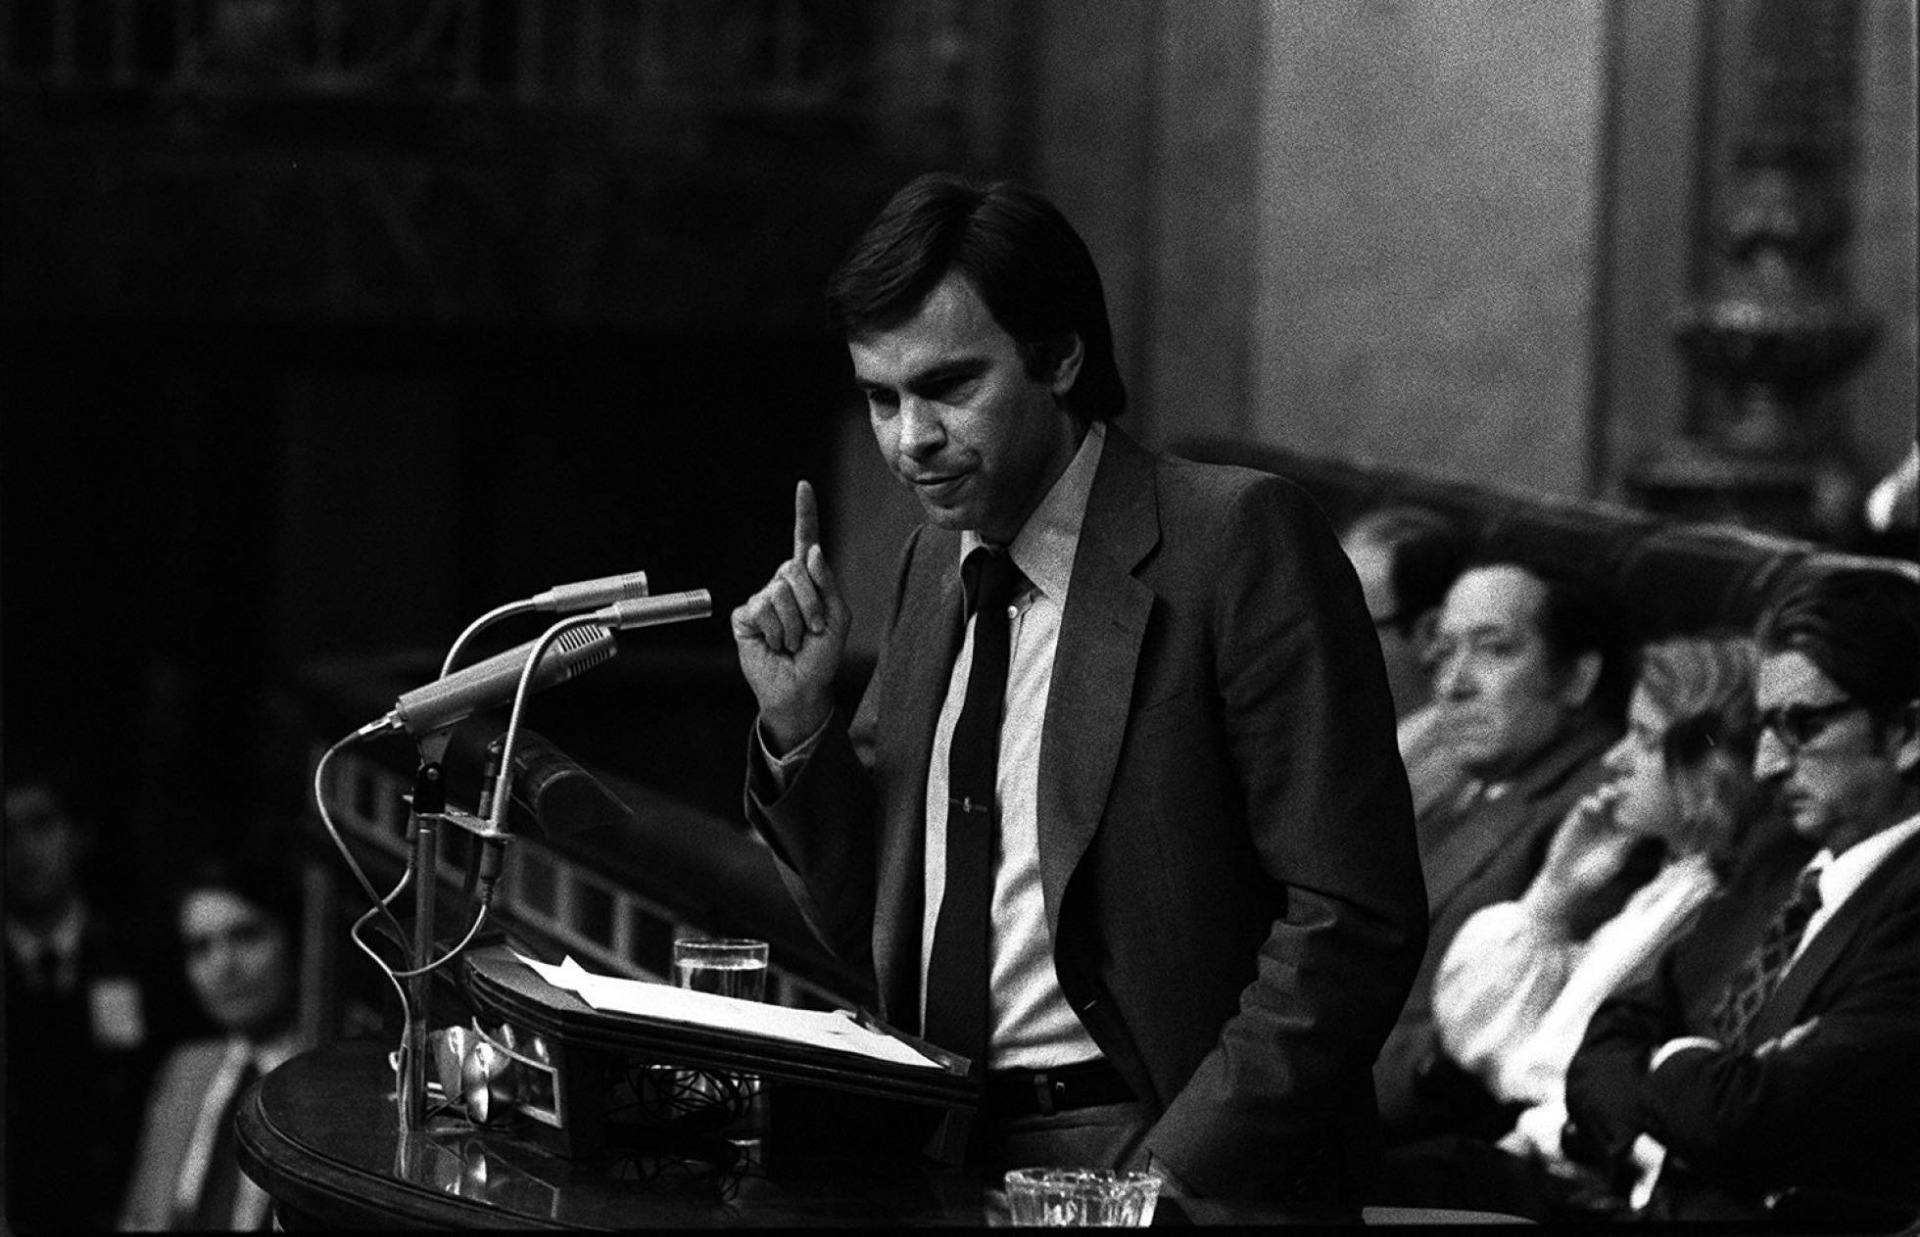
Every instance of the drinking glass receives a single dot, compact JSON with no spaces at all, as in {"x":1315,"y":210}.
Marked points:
{"x":1081,"y":1197}
{"x":727,"y":966}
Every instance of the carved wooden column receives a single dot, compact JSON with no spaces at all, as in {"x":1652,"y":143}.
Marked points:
{"x":1771,"y":332}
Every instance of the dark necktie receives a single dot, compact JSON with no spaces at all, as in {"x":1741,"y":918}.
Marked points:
{"x":1759,"y":974}
{"x":43,"y":969}
{"x":221,"y":1186}
{"x":958,"y":967}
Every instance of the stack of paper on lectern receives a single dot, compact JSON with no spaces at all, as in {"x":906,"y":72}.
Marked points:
{"x":838,"y":1031}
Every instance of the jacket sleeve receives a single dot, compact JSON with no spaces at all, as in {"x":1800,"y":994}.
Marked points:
{"x":822,"y":819}
{"x":1309,"y":725}
{"x":1813,"y":1105}
{"x":1608,"y":1072}
{"x":822,"y":832}
{"x":1497,"y":981}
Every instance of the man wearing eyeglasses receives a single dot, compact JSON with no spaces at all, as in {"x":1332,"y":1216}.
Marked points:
{"x":1407,"y":557}
{"x":1770,"y":1067}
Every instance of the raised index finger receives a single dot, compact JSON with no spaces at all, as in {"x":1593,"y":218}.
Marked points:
{"x":806,"y":521}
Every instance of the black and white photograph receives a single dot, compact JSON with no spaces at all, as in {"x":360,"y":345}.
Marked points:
{"x":700,"y":614}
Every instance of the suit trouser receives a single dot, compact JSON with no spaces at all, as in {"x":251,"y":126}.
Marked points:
{"x":1099,"y":1136}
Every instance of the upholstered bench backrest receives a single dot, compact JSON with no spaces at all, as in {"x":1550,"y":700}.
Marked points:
{"x":1666,"y":577}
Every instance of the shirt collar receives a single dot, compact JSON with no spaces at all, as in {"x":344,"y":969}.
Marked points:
{"x":63,"y":939}
{"x":1841,"y":874}
{"x":1583,"y":741}
{"x":1044,"y":547}
{"x":267,"y":1056}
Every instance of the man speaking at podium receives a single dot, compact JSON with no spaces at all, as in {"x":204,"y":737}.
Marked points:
{"x":1120,"y":817}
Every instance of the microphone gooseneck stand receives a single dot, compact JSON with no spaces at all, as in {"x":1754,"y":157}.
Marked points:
{"x":616,"y":603}
{"x":425,"y":824}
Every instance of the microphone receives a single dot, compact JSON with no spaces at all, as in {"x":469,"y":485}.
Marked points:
{"x":591,"y":594}
{"x":551,"y":791}
{"x":652,"y":611}
{"x":562,"y":599}
{"x":447,"y":701}
{"x":620,"y":616}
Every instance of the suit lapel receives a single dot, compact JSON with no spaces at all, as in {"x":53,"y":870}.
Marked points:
{"x":1472,"y":844}
{"x":1095,"y":661}
{"x":922,"y":644}
{"x":1785,"y":1003}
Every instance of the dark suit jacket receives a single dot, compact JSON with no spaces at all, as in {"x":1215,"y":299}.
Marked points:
{"x":1226,"y":843}
{"x":171,"y":1111}
{"x":1473,"y":859}
{"x":1833,"y":1114}
{"x":72,"y":1097}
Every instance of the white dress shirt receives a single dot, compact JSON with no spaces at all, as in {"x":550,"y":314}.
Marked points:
{"x":1030,"y":1024}
{"x":1513,"y":993}
{"x":1842,"y":874}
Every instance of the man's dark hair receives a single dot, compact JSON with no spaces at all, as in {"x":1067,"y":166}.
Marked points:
{"x":1015,"y":248}
{"x":1425,"y":552}
{"x":1860,"y":626}
{"x":266,"y":884}
{"x":1576,"y":617}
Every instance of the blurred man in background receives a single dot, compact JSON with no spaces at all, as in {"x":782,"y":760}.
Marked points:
{"x":239,"y":925}
{"x":1530,"y":683}
{"x":86,"y":1018}
{"x":1406,"y":558}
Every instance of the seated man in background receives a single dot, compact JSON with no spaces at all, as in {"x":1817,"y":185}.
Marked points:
{"x":1531,"y":681}
{"x":1769,"y":1067}
{"x":87,"y":1013}
{"x":239,"y":924}
{"x":1406,"y":557}
{"x":1514,"y":991}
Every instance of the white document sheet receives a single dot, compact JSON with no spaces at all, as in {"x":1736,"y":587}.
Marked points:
{"x":837,"y":1031}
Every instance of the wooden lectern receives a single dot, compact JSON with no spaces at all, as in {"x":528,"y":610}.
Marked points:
{"x":600,"y":1067}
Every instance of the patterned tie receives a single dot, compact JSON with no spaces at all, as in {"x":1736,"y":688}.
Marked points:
{"x":958,"y":967}
{"x":1760,"y":973}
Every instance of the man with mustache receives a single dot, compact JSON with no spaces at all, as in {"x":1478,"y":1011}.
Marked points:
{"x":1157,"y":882}
{"x":1530,"y":682}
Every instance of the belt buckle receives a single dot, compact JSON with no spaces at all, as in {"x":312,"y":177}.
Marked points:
{"x":1047,"y":1091}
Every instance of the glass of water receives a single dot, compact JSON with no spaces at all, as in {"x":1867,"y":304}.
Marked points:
{"x":728,"y":966}
{"x":1081,"y":1197}
{"x":725,"y":966}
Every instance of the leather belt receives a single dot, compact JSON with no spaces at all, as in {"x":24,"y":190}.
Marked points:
{"x":1042,"y":1092}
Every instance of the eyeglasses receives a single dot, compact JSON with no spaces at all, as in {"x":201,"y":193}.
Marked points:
{"x":1797,"y":725}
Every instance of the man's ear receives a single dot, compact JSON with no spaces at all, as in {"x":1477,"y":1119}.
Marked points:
{"x":1903,"y":737}
{"x":1425,"y":627}
{"x":1066,"y":365}
{"x":1582,"y":677}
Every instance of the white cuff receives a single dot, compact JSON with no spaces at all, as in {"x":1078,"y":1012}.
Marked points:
{"x":782,"y":767}
{"x":1673,"y":1047}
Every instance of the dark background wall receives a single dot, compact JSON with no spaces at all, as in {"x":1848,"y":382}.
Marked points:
{"x":329,"y":325}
